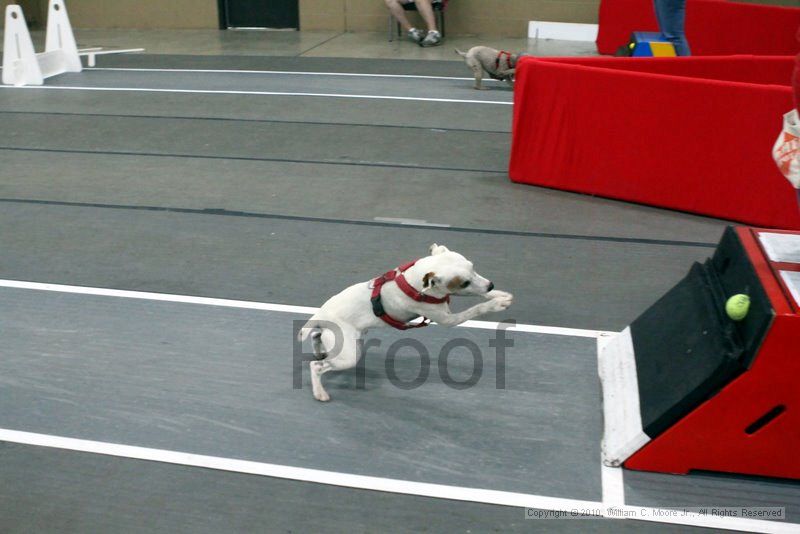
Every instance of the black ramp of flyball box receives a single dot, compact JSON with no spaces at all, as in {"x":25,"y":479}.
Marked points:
{"x":686,"y":348}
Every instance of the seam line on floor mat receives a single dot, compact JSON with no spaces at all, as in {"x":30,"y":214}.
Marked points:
{"x":257,"y":121}
{"x":300,"y":218}
{"x":249,"y":158}
{"x":326,"y":41}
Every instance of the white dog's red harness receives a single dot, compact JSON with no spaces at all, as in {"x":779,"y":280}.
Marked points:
{"x":396,"y":276}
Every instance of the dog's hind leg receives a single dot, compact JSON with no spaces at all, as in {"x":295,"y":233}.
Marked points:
{"x":477,"y":70}
{"x":345,"y":358}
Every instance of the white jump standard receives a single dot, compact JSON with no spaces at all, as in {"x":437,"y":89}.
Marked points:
{"x":23,"y":66}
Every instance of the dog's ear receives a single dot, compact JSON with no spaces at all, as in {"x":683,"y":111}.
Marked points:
{"x":438,"y":249}
{"x":429,"y":281}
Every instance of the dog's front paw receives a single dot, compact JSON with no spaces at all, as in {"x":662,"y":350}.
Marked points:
{"x":505,"y":298}
{"x":497,"y":294}
{"x":498,"y":304}
{"x":322,"y":396}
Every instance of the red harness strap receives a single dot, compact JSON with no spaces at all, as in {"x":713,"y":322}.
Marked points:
{"x":396,"y":276}
{"x":500,"y":54}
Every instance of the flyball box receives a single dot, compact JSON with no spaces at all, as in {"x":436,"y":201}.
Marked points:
{"x":686,"y":387}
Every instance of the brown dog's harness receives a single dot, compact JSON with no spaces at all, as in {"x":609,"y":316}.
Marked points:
{"x":499,"y":58}
{"x":396,"y":276}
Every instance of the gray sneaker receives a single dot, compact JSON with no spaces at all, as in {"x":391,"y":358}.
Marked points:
{"x":416,"y":35}
{"x":433,"y":38}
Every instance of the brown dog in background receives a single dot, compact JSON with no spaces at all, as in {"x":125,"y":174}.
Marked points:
{"x":498,"y":64}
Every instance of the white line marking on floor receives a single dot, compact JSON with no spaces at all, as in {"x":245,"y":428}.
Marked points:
{"x":613,"y":485}
{"x":252,"y":93}
{"x":266,"y":306}
{"x":423,"y":489}
{"x":612,"y":477}
{"x":238,"y":71}
{"x":291,"y":473}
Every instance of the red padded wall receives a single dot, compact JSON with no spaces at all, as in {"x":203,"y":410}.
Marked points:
{"x":614,"y":127}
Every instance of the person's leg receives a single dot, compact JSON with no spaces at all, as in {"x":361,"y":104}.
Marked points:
{"x":398,"y":13}
{"x":433,"y":37}
{"x":671,"y":15}
{"x":658,"y":7}
{"x":426,"y":11}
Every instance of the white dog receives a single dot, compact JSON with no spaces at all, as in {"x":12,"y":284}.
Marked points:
{"x":419,"y":289}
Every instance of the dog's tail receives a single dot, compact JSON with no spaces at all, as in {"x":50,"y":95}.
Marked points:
{"x":305,"y":331}
{"x":314,"y":330}
{"x":460,"y":53}
{"x":311,"y":326}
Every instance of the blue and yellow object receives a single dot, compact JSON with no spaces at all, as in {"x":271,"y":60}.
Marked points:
{"x":650,"y":44}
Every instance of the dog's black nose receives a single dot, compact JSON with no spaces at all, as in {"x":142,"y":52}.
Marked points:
{"x":491,"y":286}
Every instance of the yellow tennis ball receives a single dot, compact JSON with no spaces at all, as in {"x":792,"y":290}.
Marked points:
{"x":737,"y":306}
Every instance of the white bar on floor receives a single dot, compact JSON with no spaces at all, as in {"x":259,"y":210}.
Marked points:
{"x":52,"y":63}
{"x":92,"y":53}
{"x":413,"y":222}
{"x":622,"y":418}
{"x":613,"y":485}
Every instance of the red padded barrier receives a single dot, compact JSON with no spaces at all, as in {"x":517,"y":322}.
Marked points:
{"x":713,"y":27}
{"x":763,"y":70}
{"x":616,"y":127}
